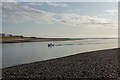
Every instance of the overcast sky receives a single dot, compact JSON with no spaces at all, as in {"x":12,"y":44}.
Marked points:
{"x":61,"y":19}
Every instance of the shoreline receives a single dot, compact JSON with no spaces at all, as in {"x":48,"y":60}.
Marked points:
{"x":20,"y":40}
{"x":95,"y":64}
{"x":33,"y":39}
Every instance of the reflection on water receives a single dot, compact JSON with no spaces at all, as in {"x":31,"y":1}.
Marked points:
{"x":21,"y":53}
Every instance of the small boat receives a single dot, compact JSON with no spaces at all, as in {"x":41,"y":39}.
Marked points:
{"x":50,"y":45}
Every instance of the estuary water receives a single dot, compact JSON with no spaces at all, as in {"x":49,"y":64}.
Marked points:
{"x":22,"y":53}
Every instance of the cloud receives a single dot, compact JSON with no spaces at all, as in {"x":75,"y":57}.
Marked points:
{"x":8,"y":1}
{"x":111,"y":11}
{"x":17,"y":13}
{"x":68,"y":11}
{"x":78,"y":20}
{"x":33,"y":4}
{"x":54,"y":4}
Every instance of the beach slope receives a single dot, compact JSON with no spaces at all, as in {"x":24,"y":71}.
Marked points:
{"x":95,"y":64}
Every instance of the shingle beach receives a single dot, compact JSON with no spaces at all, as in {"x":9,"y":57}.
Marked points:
{"x":96,"y":64}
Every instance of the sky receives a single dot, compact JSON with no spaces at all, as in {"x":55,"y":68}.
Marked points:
{"x":61,"y":19}
{"x":59,"y":0}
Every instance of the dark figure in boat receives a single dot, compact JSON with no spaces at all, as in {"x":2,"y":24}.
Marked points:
{"x":50,"y":45}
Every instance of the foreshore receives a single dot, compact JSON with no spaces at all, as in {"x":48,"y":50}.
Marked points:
{"x":96,"y":64}
{"x":30,"y":39}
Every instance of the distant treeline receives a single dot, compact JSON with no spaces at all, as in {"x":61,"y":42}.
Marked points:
{"x":5,"y":37}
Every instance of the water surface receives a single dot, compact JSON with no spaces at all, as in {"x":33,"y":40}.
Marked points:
{"x":21,"y":53}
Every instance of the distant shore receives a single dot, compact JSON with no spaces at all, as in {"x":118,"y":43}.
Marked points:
{"x":96,"y":64}
{"x":32,"y":39}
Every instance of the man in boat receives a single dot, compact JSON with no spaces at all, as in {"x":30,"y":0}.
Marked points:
{"x":50,"y":44}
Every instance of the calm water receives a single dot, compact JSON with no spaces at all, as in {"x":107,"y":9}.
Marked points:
{"x":21,"y":53}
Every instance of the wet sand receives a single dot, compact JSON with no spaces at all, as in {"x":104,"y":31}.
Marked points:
{"x":102,"y":64}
